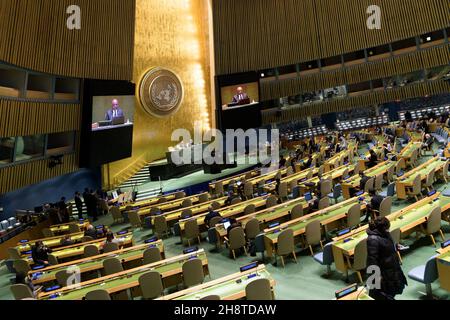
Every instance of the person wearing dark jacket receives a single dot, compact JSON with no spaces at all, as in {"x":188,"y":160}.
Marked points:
{"x":362,"y":182}
{"x":373,"y":159}
{"x":374,"y":204}
{"x":381,"y":254}
{"x":79,"y":204}
{"x":39,"y":253}
{"x":90,"y":232}
{"x":211,"y":214}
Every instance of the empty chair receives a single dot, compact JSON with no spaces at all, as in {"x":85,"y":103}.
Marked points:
{"x":160,"y":226}
{"x":378,"y":182}
{"x":324,"y":203}
{"x":385,"y":207}
{"x":416,"y":189}
{"x":214,"y":221}
{"x":313,"y":234}
{"x":218,"y":189}
{"x":259,"y":289}
{"x":86,"y":239}
{"x":396,"y":235}
{"x":309,"y":175}
{"x":21,"y":266}
{"x":283,"y":191}
{"x":193,"y":272}
{"x":151,"y":285}
{"x":135,"y":219}
{"x":357,"y":169}
{"x":433,"y":224}
{"x":297,"y":211}
{"x":110,"y":247}
{"x":90,"y":251}
{"x":151,"y":255}
{"x":251,"y":208}
{"x":186,"y":203}
{"x":116,"y":215}
{"x":271,"y":201}
{"x":369,"y":185}
{"x":154,"y":211}
{"x":337,"y":192}
{"x":295,"y":191}
{"x":390,"y":190}
{"x":62,"y":276}
{"x":21,"y":291}
{"x":211,"y":297}
{"x":180,"y":194}
{"x":191,"y":231}
{"x":321,"y":170}
{"x":112,"y":265}
{"x":236,"y":201}
{"x":289,"y":171}
{"x":215,"y":205}
{"x":390,"y":174}
{"x":444,"y":174}
{"x":186,"y":213}
{"x":400,"y":165}
{"x":163,"y":200}
{"x":429,"y":181}
{"x":237,"y":241}
{"x":325,"y":187}
{"x":325,"y":257}
{"x":425,"y":274}
{"x":248,"y":175}
{"x":252,"y":229}
{"x":278,"y":175}
{"x":360,"y":259}
{"x":14,"y":253}
{"x":248,"y":190}
{"x":74,"y":228}
{"x":285,"y":245}
{"x":204,"y":197}
{"x":52,"y":260}
{"x":47,"y":233}
{"x":354,"y":215}
{"x":99,"y":294}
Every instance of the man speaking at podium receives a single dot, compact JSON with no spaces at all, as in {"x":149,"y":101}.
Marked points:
{"x":114,"y":112}
{"x":241,"y":97}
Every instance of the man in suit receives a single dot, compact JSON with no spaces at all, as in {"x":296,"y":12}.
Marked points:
{"x":79,"y":204}
{"x":240,"y":96}
{"x":114,"y":112}
{"x":211,"y":214}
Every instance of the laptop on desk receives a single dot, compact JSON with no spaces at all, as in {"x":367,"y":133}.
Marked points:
{"x":118,"y":120}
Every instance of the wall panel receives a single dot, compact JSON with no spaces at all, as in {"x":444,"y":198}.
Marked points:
{"x":259,"y":34}
{"x":33,"y":35}
{"x":21,"y":175}
{"x":20,"y":118}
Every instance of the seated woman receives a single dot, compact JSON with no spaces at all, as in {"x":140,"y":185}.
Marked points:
{"x":111,"y":239}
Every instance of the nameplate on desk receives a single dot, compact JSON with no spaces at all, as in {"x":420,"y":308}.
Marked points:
{"x":431,"y":193}
{"x":249,"y":266}
{"x":190,"y":250}
{"x":99,"y":227}
{"x":28,"y":252}
{"x":308,"y":196}
{"x":445,"y":244}
{"x":23,"y":241}
{"x":152,"y":239}
{"x":52,"y":288}
{"x":38,"y":267}
{"x":273,"y":225}
{"x":346,"y":291}
{"x":342,"y":232}
{"x":359,"y":193}
{"x":122,"y":232}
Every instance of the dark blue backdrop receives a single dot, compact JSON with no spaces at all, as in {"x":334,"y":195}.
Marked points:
{"x":49,"y":191}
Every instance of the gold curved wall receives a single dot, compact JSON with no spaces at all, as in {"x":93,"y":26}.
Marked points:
{"x":174,"y":35}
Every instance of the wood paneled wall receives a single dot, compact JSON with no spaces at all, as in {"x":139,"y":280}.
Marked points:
{"x":19,"y":118}
{"x":21,"y":175}
{"x":374,"y":98}
{"x":259,"y":34}
{"x":34,"y":35}
{"x":397,"y":65}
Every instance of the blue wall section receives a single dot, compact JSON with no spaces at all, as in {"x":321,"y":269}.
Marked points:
{"x":49,"y":191}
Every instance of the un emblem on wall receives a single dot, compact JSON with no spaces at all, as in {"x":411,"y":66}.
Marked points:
{"x":160,"y":92}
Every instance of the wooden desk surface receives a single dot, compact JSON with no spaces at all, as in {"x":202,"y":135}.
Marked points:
{"x":93,"y":263}
{"x":123,"y":280}
{"x":230,"y":287}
